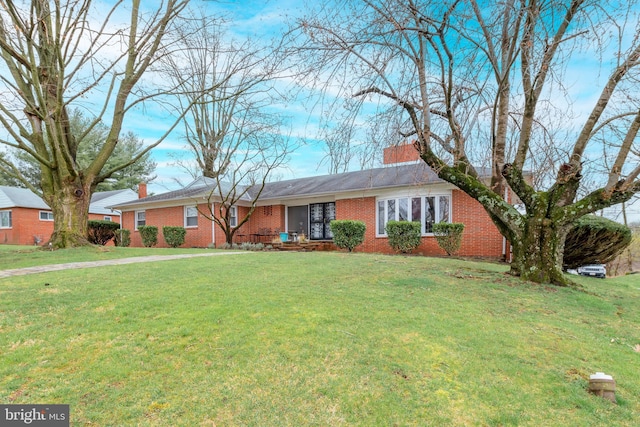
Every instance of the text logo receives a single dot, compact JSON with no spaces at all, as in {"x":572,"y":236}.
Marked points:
{"x":34,"y":415}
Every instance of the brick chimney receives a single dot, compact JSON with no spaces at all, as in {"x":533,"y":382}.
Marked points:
{"x":142,"y":190}
{"x":400,"y":154}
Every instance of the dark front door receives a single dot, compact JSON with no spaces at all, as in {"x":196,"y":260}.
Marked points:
{"x":298,"y":219}
{"x":320,"y":216}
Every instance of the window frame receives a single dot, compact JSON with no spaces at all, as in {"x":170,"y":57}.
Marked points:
{"x":233,"y":216}
{"x":49,"y":216}
{"x":408,"y":209}
{"x":136,"y":221}
{"x":186,"y":216}
{"x":10,"y":221}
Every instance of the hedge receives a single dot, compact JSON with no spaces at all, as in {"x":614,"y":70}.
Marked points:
{"x":448,"y":235}
{"x":101,"y":232}
{"x":595,"y":240}
{"x":403,"y":236}
{"x":347,"y":234}
{"x":123,"y":238}
{"x":149,"y":235}
{"x":174,"y":236}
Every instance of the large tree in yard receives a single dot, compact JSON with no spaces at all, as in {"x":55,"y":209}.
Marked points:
{"x":129,"y":146}
{"x":233,"y":135}
{"x":58,"y":56}
{"x":502,"y":86}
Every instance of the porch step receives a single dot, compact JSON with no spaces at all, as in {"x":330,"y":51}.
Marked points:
{"x":304,"y":247}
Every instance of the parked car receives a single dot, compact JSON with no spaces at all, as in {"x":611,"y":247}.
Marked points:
{"x":593,"y":270}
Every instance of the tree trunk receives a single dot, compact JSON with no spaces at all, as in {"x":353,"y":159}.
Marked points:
{"x":228,"y":233}
{"x":537,"y":255}
{"x":71,"y":213}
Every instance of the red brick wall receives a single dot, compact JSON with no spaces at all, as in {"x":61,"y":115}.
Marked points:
{"x":400,"y":154}
{"x":271,"y":217}
{"x":199,"y":236}
{"x":26,"y":224}
{"x":480,"y":237}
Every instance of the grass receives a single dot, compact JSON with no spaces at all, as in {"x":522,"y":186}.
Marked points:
{"x":326,"y":339}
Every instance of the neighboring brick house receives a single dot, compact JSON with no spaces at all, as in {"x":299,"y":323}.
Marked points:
{"x":405,"y":188}
{"x":25,"y":219}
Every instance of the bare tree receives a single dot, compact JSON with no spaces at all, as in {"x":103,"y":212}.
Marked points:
{"x":339,"y":148}
{"x":129,"y":145}
{"x":242,"y":183}
{"x":474,"y":78}
{"x":236,"y":140}
{"x":61,"y":55}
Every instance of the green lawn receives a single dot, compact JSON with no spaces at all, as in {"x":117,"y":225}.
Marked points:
{"x":325,"y":339}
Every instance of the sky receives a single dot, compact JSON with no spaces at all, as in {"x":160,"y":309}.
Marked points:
{"x":247,"y":18}
{"x":262,"y":19}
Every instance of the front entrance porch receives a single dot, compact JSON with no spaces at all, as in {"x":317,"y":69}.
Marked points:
{"x":312,"y":220}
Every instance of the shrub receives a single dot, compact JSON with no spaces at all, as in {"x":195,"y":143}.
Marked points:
{"x":348,"y":234}
{"x":595,"y":240}
{"x":174,"y":236}
{"x":101,"y":232}
{"x":123,"y":238}
{"x":448,"y":235}
{"x":149,"y":235}
{"x":248,"y":246}
{"x":403,"y":236}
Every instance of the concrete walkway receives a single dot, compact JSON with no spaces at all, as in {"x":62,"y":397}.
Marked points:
{"x":92,"y":264}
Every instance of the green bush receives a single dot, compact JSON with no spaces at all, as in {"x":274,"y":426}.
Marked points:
{"x":101,"y":232}
{"x":448,"y":235}
{"x":595,"y":240}
{"x":347,"y":234}
{"x":123,"y":238}
{"x":174,"y":236}
{"x":149,"y":235}
{"x":403,"y":236}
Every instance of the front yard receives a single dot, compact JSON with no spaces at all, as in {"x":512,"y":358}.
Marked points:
{"x":327,"y":339}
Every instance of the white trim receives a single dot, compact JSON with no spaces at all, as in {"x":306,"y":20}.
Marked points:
{"x":135,"y":218}
{"x":10,"y":219}
{"x":213,"y":224}
{"x":185,"y":211}
{"x":422,"y":196}
{"x":48,"y":218}
{"x":234,"y":216}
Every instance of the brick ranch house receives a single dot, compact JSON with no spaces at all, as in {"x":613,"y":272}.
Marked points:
{"x":405,"y":188}
{"x":25,"y":219}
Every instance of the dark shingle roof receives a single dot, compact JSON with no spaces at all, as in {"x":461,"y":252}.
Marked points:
{"x":400,"y":175}
{"x":197,"y":189}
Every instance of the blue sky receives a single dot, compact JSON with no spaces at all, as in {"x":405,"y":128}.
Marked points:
{"x":247,"y":19}
{"x":263,"y":20}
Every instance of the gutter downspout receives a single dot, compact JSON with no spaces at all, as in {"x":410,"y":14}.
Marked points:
{"x":213,"y":225}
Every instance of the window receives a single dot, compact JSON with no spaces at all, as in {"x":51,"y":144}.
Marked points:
{"x":107,"y":218}
{"x":46,"y":216}
{"x":5,"y":219}
{"x":141,"y":218}
{"x":425,"y":209}
{"x":233,"y":216}
{"x":190,"y":216}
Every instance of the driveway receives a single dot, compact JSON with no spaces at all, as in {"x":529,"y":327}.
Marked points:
{"x":92,"y":264}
